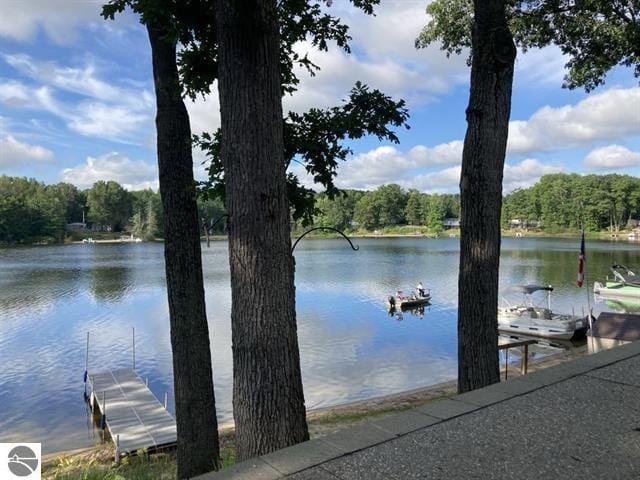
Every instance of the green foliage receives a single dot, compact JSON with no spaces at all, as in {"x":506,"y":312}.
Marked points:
{"x":435,"y":213}
{"x":337,"y":212}
{"x":147,"y":220}
{"x":30,"y":211}
{"x":109,"y":204}
{"x":413,"y":210}
{"x":384,"y":208}
{"x":595,"y":35}
{"x":390,"y":201}
{"x":209,"y":211}
{"x":315,"y":138}
{"x":570,"y":201}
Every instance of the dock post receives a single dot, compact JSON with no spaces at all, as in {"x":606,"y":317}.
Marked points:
{"x":506,"y":363}
{"x":133,"y":342}
{"x":86,"y":362}
{"x":117,"y":454}
{"x":103,"y":419}
{"x":525,"y":359}
{"x":166,"y":398}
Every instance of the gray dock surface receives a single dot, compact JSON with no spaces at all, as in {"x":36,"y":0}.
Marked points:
{"x":133,"y":412}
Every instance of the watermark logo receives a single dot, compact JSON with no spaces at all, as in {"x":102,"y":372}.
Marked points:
{"x":20,"y":461}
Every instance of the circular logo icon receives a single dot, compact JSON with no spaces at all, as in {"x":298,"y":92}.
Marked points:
{"x":22,"y":461}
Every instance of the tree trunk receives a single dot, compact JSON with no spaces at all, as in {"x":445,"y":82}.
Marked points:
{"x":193,"y":378}
{"x":268,"y":401}
{"x":481,"y":195}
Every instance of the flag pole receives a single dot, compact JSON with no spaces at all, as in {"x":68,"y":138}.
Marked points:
{"x":586,"y":281}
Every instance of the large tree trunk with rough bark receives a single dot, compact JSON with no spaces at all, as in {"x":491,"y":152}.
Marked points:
{"x":193,"y":378}
{"x":481,"y":195}
{"x":268,"y":401}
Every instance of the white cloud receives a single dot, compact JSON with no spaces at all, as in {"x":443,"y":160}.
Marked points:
{"x":131,"y":174}
{"x":386,"y":164}
{"x":612,"y":114}
{"x":442,"y":181}
{"x":415,"y":169}
{"x":612,"y":156}
{"x":540,"y":66}
{"x":15,"y":153}
{"x":116,"y":122}
{"x":21,"y":19}
{"x":526,"y":173}
{"x":383,"y":56}
{"x":518,"y":175}
{"x":15,"y":94}
{"x":445,"y":153}
{"x":104,"y":109}
{"x":204,"y":113}
{"x":83,"y":80}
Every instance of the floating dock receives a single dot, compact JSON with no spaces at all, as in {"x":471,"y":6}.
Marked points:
{"x":130,"y":411}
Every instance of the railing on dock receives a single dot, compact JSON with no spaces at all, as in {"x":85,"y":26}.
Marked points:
{"x":129,"y":411}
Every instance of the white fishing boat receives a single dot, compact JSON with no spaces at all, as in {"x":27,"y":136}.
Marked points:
{"x":527,"y":318}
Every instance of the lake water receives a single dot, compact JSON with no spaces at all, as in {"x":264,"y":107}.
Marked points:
{"x":351,"y":348}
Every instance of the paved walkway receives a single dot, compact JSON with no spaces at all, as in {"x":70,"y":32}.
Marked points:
{"x":577,"y":420}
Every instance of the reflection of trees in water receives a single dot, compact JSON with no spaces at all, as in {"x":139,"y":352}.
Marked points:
{"x":35,"y":288}
{"x":556,"y":268}
{"x":621,"y":305}
{"x":109,"y":283}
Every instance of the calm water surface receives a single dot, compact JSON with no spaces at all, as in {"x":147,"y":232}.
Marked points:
{"x":351,"y":348}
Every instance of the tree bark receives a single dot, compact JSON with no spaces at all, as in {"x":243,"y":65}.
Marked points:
{"x":198,"y":449}
{"x":481,"y":195}
{"x":268,"y":401}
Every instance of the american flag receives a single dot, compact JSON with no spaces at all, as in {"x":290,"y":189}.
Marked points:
{"x":581,"y":259}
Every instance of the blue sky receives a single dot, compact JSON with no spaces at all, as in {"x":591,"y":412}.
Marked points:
{"x":77,"y":102}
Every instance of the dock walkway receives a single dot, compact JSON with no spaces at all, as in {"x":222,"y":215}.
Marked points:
{"x":134,"y":416}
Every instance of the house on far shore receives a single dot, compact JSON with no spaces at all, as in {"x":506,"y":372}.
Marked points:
{"x":451,"y":223}
{"x":524,"y":223}
{"x":76,"y":227}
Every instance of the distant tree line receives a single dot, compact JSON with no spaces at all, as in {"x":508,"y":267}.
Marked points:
{"x":31,"y":211}
{"x":571,"y":201}
{"x":386,"y":206}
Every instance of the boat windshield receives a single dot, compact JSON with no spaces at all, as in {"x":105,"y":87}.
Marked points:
{"x":624,"y":275}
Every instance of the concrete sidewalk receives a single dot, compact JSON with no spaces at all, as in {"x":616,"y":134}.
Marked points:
{"x":577,"y":420}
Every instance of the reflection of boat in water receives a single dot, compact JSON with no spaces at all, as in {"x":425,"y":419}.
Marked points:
{"x":625,"y":283}
{"x":529,"y":319}
{"x":414,"y":311}
{"x":418,"y":298}
{"x":544,"y":345}
{"x":621,"y":305}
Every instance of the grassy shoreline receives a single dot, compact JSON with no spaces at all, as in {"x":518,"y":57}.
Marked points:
{"x":403,"y":231}
{"x":95,"y":463}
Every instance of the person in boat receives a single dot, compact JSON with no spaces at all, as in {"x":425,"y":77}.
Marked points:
{"x":420,"y":289}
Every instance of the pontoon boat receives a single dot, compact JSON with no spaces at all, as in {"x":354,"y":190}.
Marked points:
{"x":529,"y":319}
